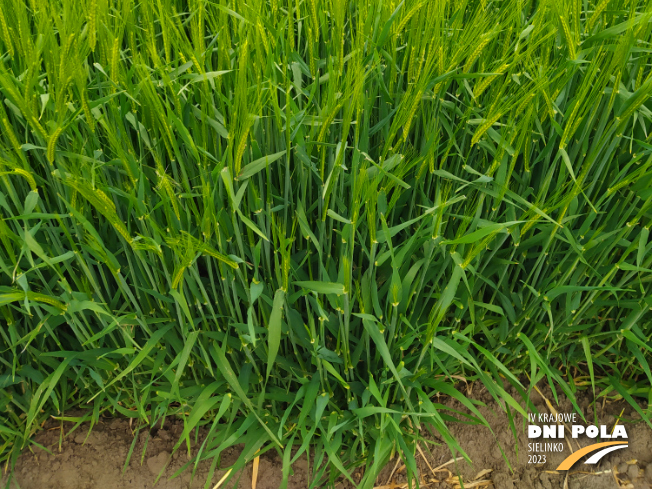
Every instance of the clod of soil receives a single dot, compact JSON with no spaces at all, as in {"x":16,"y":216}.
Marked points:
{"x":155,"y":464}
{"x":503,"y":480}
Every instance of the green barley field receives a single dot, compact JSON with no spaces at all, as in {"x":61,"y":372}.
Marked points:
{"x":294,"y":222}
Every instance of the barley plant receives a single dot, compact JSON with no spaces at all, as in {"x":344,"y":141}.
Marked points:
{"x":295,"y":223}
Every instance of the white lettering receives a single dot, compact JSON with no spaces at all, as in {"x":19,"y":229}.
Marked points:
{"x":619,"y":432}
{"x":545,"y":447}
{"x":592,"y":431}
{"x":603,"y":432}
{"x":549,"y":431}
{"x":533,"y":431}
{"x":577,"y":430}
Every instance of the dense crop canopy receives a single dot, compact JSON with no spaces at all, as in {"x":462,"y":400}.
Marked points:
{"x":295,"y":222}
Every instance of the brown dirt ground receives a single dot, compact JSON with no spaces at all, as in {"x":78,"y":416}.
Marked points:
{"x":96,"y":462}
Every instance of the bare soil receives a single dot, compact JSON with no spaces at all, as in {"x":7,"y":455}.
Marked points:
{"x":96,"y":461}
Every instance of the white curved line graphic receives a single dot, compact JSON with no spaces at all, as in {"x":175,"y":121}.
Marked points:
{"x":595,"y":458}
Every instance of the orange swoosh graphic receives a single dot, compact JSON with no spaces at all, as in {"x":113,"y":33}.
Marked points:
{"x":571,"y":459}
